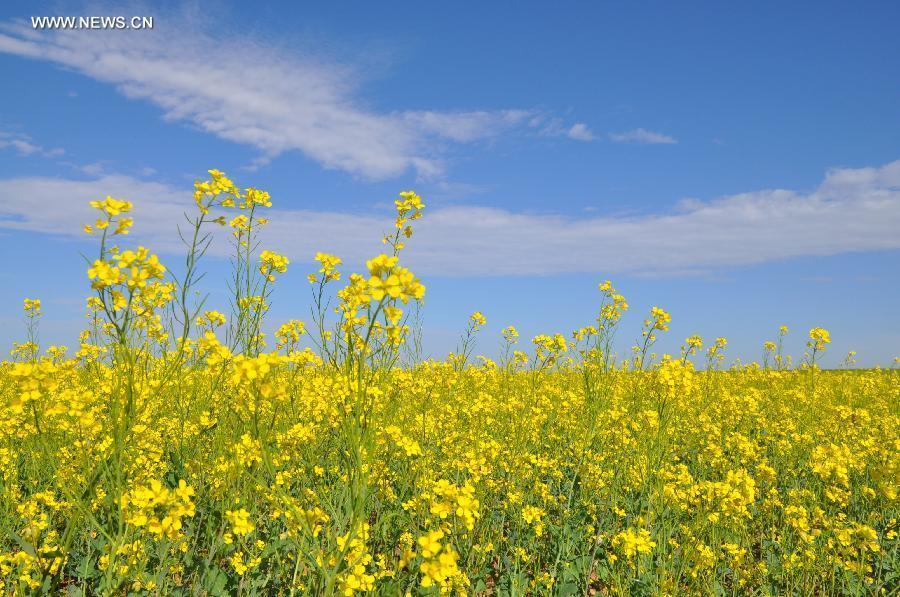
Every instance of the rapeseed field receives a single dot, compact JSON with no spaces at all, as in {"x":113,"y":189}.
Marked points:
{"x":179,"y":450}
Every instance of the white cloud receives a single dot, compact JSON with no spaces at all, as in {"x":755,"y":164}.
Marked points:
{"x":465,"y":126}
{"x":58,"y":206}
{"x":25,"y":146}
{"x":580,"y":132}
{"x":274,"y":100}
{"x":551,"y":126}
{"x":851,"y":210}
{"x":642,"y":135}
{"x":93,"y":169}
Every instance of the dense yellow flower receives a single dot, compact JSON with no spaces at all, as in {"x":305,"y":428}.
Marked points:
{"x":695,"y":342}
{"x":289,"y":333}
{"x":104,"y":274}
{"x":270,"y":263}
{"x":532,"y":515}
{"x":123,"y":226}
{"x":32,"y":307}
{"x":240,"y":522}
{"x":818,"y":338}
{"x":158,"y":509}
{"x":632,"y":542}
{"x":112,"y":207}
{"x":660,"y":318}
{"x":328,"y":270}
{"x":212,"y":319}
{"x":387,"y":279}
{"x":257,"y":197}
{"x":511,"y":334}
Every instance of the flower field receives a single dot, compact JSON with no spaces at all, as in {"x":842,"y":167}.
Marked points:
{"x":181,"y":450}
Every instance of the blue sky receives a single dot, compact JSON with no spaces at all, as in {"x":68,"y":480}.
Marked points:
{"x":736,"y":165}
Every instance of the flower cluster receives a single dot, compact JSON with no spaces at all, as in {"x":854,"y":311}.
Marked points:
{"x":633,"y":542}
{"x":439,"y":565}
{"x":818,"y":338}
{"x":159,"y":509}
{"x":272,"y":263}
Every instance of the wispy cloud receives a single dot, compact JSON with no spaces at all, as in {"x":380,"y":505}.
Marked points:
{"x":851,"y":210}
{"x":642,"y":135}
{"x":272,"y":99}
{"x":93,"y":169}
{"x":25,"y":145}
{"x":580,"y":132}
{"x":552,"y":126}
